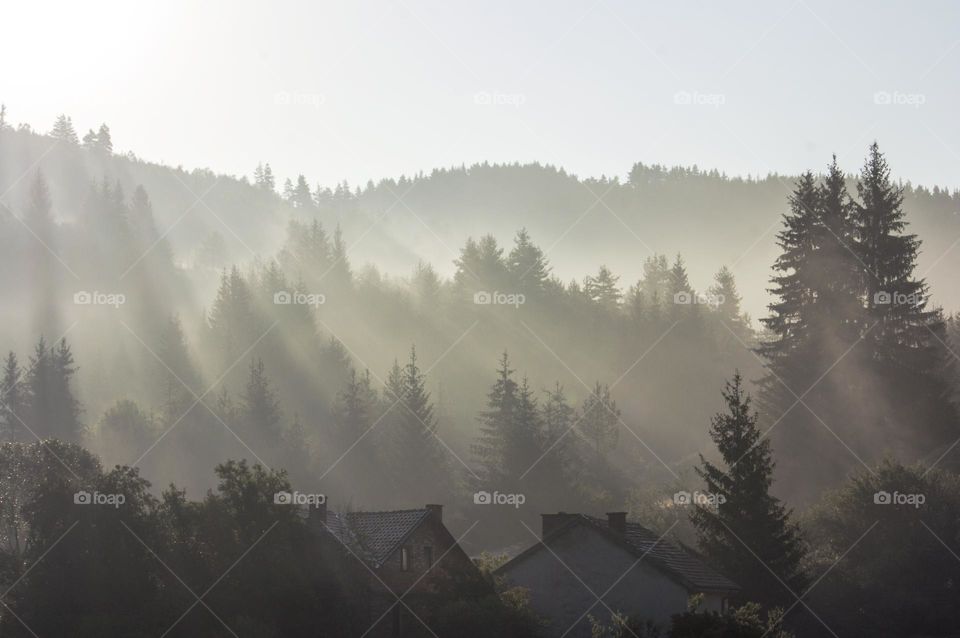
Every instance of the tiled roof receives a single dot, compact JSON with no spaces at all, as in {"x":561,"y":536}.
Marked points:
{"x":677,"y":562}
{"x":675,"y":559}
{"x":374,"y":536}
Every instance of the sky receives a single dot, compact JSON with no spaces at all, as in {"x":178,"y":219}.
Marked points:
{"x":366,"y":90}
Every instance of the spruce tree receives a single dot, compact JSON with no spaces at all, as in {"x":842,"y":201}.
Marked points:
{"x":600,"y":420}
{"x":260,"y":409}
{"x":496,"y":422}
{"x":528,"y":267}
{"x":742,"y":529}
{"x":602,"y":289}
{"x":12,"y":401}
{"x":104,"y":140}
{"x":63,"y":130}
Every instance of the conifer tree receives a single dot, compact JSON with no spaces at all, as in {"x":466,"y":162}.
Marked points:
{"x":745,"y":531}
{"x":528,"y":267}
{"x":12,"y":400}
{"x":104,"y":140}
{"x":602,"y":289}
{"x":63,"y":130}
{"x":600,"y":420}
{"x":260,"y":409}
{"x":496,"y":423}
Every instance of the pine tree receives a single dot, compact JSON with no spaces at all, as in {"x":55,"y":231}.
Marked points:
{"x":301,"y":196}
{"x":43,"y":266}
{"x":260,"y":409}
{"x":268,"y":181}
{"x":419,"y":462}
{"x":340,"y":273}
{"x":63,"y":130}
{"x":904,"y":337}
{"x":355,"y":405}
{"x":726,"y":298}
{"x":175,"y":381}
{"x":231,"y":318}
{"x":600,"y":420}
{"x":602,"y":289}
{"x":511,"y":431}
{"x":104,"y":140}
{"x":745,"y":531}
{"x":12,"y":401}
{"x":528,"y":267}
{"x":496,"y":423}
{"x":4,"y":125}
{"x":53,"y":410}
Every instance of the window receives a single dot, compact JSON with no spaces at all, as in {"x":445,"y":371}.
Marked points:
{"x":404,"y":560}
{"x":428,"y":556}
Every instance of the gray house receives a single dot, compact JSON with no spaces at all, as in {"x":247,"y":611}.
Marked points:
{"x":581,"y":558}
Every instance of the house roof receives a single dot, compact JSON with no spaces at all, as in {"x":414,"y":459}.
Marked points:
{"x":676,"y":562}
{"x":375,"y":536}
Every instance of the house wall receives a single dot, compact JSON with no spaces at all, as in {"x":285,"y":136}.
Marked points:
{"x":559,"y":597}
{"x":400,"y":622}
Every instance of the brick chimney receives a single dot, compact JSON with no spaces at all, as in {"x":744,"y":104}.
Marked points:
{"x":617,"y":522}
{"x":552,"y":522}
{"x":436,"y":512}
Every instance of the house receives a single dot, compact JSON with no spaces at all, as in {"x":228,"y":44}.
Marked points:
{"x":407,"y":554}
{"x":631,"y":569}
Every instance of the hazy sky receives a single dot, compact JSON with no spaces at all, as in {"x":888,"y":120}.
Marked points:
{"x":361,"y":90}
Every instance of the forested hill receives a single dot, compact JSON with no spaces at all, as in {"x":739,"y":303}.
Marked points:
{"x":580,"y":222}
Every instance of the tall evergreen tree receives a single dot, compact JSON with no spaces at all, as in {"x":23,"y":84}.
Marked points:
{"x":53,"y":410}
{"x":63,"y":130}
{"x":528,"y":267}
{"x":603,"y":290}
{"x":746,"y":532}
{"x":12,"y":401}
{"x":600,"y":420}
{"x":260,"y":410}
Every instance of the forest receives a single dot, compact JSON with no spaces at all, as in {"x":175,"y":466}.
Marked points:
{"x":430,"y":338}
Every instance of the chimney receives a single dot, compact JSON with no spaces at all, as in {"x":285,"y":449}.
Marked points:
{"x":317,"y":517}
{"x":436,"y":512}
{"x":552,"y":522}
{"x":617,"y":522}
